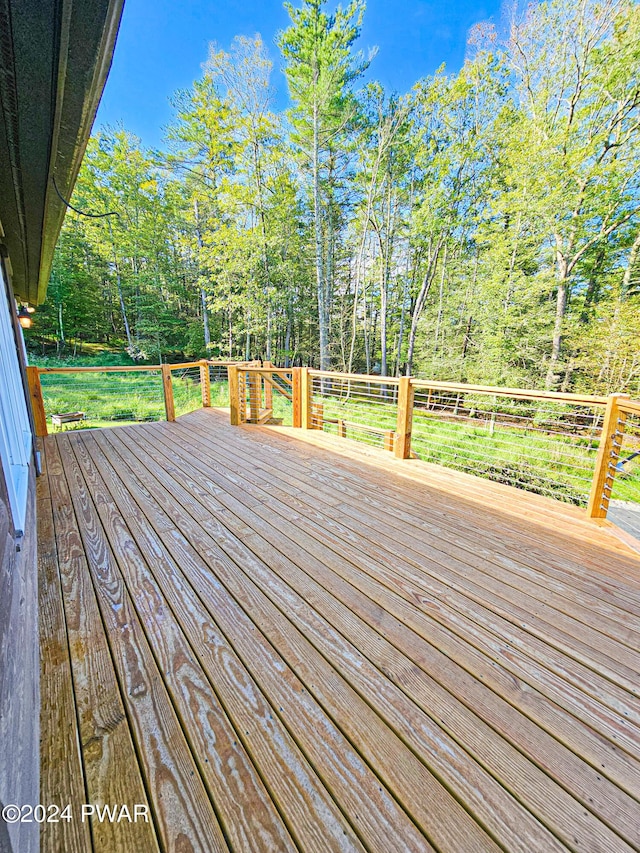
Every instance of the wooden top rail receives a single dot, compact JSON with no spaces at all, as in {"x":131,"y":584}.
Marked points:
{"x":98,"y":369}
{"x":279,"y":371}
{"x":517,"y":393}
{"x":186,"y":364}
{"x":215,"y":363}
{"x":359,"y":377}
{"x":143,"y":367}
{"x":630,"y":407}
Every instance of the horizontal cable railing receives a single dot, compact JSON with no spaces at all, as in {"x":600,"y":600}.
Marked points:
{"x":351,"y":406}
{"x":187,"y":387}
{"x":99,"y":397}
{"x":82,"y":397}
{"x":626,"y":480}
{"x":541,"y":442}
{"x":578,"y":448}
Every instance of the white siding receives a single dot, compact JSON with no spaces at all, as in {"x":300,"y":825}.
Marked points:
{"x":15,"y":430}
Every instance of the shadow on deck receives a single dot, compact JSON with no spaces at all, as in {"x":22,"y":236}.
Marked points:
{"x":278,"y":640}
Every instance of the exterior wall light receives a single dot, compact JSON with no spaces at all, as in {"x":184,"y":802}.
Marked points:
{"x":24,"y":316}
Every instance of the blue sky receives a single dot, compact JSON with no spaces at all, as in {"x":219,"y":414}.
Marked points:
{"x":162,"y":45}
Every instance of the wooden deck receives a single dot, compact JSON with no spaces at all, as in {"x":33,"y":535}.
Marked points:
{"x":276,"y":640}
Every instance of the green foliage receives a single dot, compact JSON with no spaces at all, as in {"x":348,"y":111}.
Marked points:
{"x":484,"y":226}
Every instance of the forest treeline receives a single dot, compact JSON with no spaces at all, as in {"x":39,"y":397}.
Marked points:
{"x":482,"y":227}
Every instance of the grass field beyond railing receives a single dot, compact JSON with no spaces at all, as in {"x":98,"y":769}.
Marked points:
{"x":109,"y":395}
{"x":541,"y":442}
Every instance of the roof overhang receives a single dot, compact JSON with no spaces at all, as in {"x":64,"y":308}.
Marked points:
{"x":54,"y":60}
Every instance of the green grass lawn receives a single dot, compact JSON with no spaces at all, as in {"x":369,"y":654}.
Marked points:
{"x":106,"y":398}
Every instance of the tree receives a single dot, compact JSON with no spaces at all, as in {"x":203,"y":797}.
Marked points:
{"x":577,"y":72}
{"x":321,"y":69}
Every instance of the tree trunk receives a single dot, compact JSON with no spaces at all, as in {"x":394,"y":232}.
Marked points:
{"x":561,"y":307}
{"x":287,"y":338}
{"x":203,"y":298}
{"x":424,"y":291}
{"x":60,"y":329}
{"x":631,"y":262}
{"x":440,"y":301}
{"x":123,"y":310}
{"x":325,"y":362}
{"x":205,"y":320}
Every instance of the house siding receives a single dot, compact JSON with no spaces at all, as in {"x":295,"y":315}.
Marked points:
{"x":19,"y":659}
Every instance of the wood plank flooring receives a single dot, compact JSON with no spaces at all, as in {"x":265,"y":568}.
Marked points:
{"x":273,"y":639}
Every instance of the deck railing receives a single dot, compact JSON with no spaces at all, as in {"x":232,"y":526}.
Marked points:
{"x":578,"y":448}
{"x":98,"y":396}
{"x":573,"y":447}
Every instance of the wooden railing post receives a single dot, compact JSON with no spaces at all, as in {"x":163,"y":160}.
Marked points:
{"x":606,"y":460}
{"x":296,"y":396}
{"x":167,"y":387}
{"x":37,"y":402}
{"x":405,"y":418}
{"x":205,"y":383}
{"x":306,"y":416}
{"x":234,"y":395}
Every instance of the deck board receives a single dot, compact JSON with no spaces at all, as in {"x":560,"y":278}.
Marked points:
{"x":304,"y":644}
{"x":61,"y":769}
{"x":111,"y":770}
